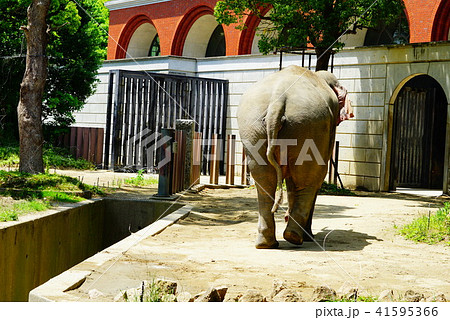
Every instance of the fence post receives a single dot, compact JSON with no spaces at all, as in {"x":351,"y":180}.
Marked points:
{"x":231,"y":156}
{"x":244,"y":169}
{"x":197,"y":158}
{"x":165,"y":172}
{"x":188,"y":127}
{"x":215,"y":159}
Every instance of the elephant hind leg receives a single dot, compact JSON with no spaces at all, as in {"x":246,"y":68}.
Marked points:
{"x":265,"y":181}
{"x":266,"y":222}
{"x":301,"y":206}
{"x":308,"y":235}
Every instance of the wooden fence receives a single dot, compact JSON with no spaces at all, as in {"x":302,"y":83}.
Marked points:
{"x":86,"y":143}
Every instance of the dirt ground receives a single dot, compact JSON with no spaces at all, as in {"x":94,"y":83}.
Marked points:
{"x":356,"y":244}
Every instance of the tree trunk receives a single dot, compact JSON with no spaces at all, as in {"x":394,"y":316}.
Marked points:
{"x":323,"y":58}
{"x":32,"y":89}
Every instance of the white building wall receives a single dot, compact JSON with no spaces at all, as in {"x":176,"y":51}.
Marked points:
{"x":371,"y":76}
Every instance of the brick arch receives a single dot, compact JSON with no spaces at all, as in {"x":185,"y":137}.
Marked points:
{"x":247,"y":35}
{"x":441,"y":23}
{"x":185,"y":26}
{"x":128,"y":31}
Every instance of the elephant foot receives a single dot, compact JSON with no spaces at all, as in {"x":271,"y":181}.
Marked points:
{"x":293,"y":237}
{"x":262,"y":243}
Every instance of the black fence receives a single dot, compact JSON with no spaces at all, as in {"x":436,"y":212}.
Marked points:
{"x":141,"y":103}
{"x":307,"y":55}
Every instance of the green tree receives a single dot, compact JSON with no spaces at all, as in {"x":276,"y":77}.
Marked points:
{"x":76,"y":48}
{"x":296,"y":23}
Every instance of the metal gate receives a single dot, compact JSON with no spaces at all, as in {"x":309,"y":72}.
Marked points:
{"x":141,"y":103}
{"x":414,"y":138}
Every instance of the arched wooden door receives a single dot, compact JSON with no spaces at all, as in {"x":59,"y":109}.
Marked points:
{"x":419,"y":131}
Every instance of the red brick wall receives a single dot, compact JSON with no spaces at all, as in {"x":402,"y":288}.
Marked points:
{"x":421,"y":16}
{"x":166,"y":17}
{"x":428,"y":20}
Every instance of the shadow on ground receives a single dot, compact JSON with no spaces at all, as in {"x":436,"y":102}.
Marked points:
{"x":214,"y":209}
{"x":333,"y":240}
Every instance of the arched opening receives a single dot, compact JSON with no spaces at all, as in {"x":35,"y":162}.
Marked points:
{"x":248,"y":42}
{"x":216,"y":45}
{"x":199,"y":36}
{"x":441,"y":24}
{"x":396,"y":32}
{"x":141,"y":40}
{"x":155,"y":49}
{"x":418,"y":135}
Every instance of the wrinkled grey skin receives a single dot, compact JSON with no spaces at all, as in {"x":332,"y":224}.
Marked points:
{"x":293,"y":103}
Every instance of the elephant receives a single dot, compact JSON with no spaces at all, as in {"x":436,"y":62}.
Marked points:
{"x":287,"y":123}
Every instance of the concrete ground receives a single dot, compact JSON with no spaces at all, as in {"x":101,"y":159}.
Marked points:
{"x":356,"y":244}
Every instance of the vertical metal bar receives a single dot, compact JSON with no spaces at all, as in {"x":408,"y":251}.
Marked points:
{"x":131,"y":138}
{"x":336,"y":162}
{"x":303,"y":58}
{"x":224,"y":109}
{"x":203,"y":117}
{"x":118,"y":105}
{"x":145,"y":125}
{"x":108,"y":117}
{"x":140,"y":124}
{"x":125,"y":120}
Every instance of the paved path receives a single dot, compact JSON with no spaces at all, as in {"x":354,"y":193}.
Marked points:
{"x":357,"y":244}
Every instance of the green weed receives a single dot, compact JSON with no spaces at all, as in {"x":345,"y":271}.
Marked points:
{"x":431,"y":228}
{"x":140,"y":180}
{"x":153,"y":292}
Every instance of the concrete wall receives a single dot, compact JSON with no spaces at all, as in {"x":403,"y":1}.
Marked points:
{"x":42,"y":245}
{"x":33,"y":251}
{"x":372,"y":75}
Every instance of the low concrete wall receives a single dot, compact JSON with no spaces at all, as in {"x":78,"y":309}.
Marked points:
{"x":41,"y":246}
{"x":125,"y":216}
{"x":63,"y":286}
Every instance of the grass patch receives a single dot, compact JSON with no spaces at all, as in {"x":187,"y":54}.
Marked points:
{"x":36,"y":192}
{"x":11,"y":212}
{"x":43,"y":181}
{"x":54,"y":187}
{"x":431,"y":228}
{"x":140,"y":180}
{"x":53,"y":157}
{"x":332,"y":189}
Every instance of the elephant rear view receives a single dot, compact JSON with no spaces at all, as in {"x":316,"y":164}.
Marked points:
{"x":287,"y":123}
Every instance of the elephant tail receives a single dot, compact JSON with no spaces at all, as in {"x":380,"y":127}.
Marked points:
{"x":274,"y":121}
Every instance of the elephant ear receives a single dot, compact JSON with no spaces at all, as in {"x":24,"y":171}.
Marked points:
{"x":345,"y":105}
{"x":346,"y":112}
